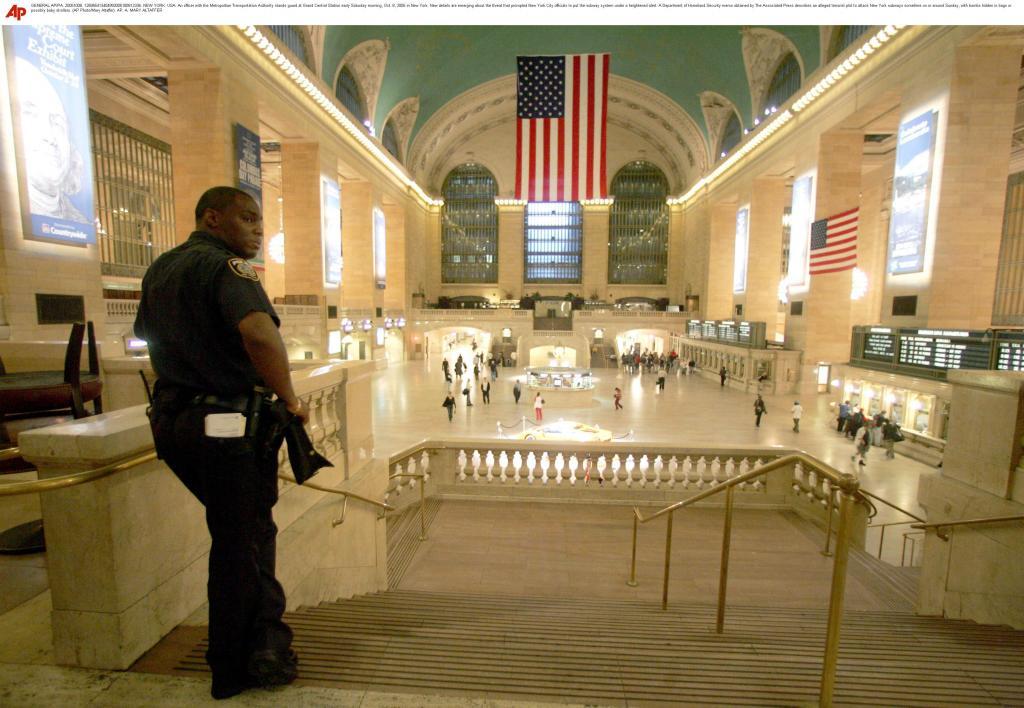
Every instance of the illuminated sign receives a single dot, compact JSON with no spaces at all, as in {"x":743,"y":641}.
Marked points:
{"x":52,"y":115}
{"x":379,"y":254}
{"x":747,"y":334}
{"x":249,"y":175}
{"x":799,"y":230}
{"x":739,"y":265}
{"x":330,"y":229}
{"x":910,"y":190}
{"x":1010,"y":351}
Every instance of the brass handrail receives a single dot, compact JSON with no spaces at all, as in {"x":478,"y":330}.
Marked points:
{"x":10,"y":453}
{"x":344,"y":507}
{"x":422,"y":476}
{"x":893,"y":506}
{"x":967,"y":522}
{"x":849,"y":493}
{"x":10,"y":489}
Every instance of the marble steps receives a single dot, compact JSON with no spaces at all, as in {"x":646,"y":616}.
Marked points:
{"x":404,"y":536}
{"x":622,"y":652}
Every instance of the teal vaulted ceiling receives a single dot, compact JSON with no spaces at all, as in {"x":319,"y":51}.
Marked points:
{"x":439,"y":63}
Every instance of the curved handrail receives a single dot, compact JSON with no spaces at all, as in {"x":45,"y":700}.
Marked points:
{"x":893,"y":506}
{"x":10,"y":489}
{"x":10,"y":453}
{"x":310,"y":485}
{"x":968,"y":522}
{"x":835,"y":476}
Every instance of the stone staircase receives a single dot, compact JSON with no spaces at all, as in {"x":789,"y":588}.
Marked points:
{"x":404,"y":535}
{"x":614,"y":652}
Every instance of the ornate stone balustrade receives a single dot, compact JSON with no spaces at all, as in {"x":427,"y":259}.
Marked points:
{"x":121,"y":311}
{"x":468,"y":315}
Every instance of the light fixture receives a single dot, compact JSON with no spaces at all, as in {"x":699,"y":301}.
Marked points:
{"x":388,"y":323}
{"x":859,"y":284}
{"x":275,"y":248}
{"x":367,"y":325}
{"x":346,"y":325}
{"x":400,"y":322}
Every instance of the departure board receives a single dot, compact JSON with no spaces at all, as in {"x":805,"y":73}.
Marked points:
{"x":709,"y":330}
{"x":727,"y":332}
{"x":747,"y":334}
{"x":944,"y":349}
{"x":879,"y":344}
{"x":693,"y":329}
{"x":1010,"y":351}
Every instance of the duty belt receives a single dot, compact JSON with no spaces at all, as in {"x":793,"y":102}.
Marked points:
{"x":238,"y":404}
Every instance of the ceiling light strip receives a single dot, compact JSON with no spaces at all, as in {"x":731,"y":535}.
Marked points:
{"x":838,"y":74}
{"x":299,"y":78}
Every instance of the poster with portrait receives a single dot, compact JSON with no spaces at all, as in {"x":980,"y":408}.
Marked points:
{"x":908,"y":227}
{"x":52,"y":139}
{"x":249,"y":171}
{"x":330,"y":229}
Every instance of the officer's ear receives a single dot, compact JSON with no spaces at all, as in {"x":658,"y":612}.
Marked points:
{"x":210,"y":218}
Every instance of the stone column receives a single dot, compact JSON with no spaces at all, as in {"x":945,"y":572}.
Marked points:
{"x":395,"y":293}
{"x":595,"y":249}
{"x":204,"y":106}
{"x":718,"y":301}
{"x":827,"y":305}
{"x":511,"y":246}
{"x":357,"y":244}
{"x":983,"y":84}
{"x":300,"y":188}
{"x":764,"y":261}
{"x":675,"y":278}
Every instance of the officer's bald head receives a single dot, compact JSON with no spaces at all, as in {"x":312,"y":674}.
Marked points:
{"x":218,"y":199}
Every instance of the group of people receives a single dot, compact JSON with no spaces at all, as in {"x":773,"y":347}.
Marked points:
{"x":866,"y":431}
{"x":462,"y":372}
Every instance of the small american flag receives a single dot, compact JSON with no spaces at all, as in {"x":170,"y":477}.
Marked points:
{"x":561,"y":112}
{"x":834,"y":243}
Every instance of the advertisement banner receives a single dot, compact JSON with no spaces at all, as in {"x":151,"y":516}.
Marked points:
{"x":52,"y":117}
{"x":799,"y":231}
{"x":330,"y":229}
{"x":247,"y":158}
{"x":379,"y":253}
{"x":908,"y":227}
{"x":739,"y":265}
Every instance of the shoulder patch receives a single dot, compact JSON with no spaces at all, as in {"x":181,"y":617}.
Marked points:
{"x":241,"y":268}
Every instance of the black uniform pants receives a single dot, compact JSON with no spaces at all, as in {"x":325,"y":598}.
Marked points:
{"x":238,"y":487}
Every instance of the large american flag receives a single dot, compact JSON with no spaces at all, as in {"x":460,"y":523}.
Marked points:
{"x":561,"y":127}
{"x":834,"y":243}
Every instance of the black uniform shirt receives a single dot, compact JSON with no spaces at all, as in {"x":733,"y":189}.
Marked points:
{"x":193,"y":298}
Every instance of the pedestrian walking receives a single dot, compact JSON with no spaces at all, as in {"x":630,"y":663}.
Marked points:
{"x":485,"y":391}
{"x":618,"y":398}
{"x":449,"y":403}
{"x":465,"y":392}
{"x":723,"y":374}
{"x":759,"y":410}
{"x":797,"y":412}
{"x":661,"y":380}
{"x":538,"y":407}
{"x":891,"y":434}
{"x":861,"y":443}
{"x":844,"y":415}
{"x":517,"y":391}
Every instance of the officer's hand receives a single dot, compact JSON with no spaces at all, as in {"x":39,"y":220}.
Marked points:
{"x":299,"y":410}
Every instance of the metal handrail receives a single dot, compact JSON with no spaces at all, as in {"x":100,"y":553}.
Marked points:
{"x":849,"y":493}
{"x":893,"y":506}
{"x":344,"y":507}
{"x":10,"y":489}
{"x":10,"y":453}
{"x":966,"y":522}
{"x":422,"y":476}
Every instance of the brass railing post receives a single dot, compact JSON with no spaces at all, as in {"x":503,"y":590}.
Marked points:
{"x":828,"y":527}
{"x":423,"y":509}
{"x":668,"y":560}
{"x":881,"y":540}
{"x":723,"y":571}
{"x":848,"y":488}
{"x":632,"y":568}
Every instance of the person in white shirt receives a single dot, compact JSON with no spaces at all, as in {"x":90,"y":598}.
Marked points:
{"x":538,"y":407}
{"x":861,"y":443}
{"x":798,"y":412}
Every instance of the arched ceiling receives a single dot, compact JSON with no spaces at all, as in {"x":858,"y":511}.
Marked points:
{"x":439,"y":63}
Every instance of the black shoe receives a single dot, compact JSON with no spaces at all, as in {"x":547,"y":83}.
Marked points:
{"x":269,"y":668}
{"x":862,"y":463}
{"x":226,"y":685}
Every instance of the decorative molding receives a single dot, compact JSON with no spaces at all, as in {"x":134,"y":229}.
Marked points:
{"x":763,"y":49}
{"x":648,"y":114}
{"x":366,"y":61}
{"x":315,"y":37}
{"x":717,"y":109}
{"x":403,"y":118}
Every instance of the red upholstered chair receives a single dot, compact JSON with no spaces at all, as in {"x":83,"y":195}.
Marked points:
{"x":32,"y":394}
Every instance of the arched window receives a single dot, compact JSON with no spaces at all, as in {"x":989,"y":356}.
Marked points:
{"x":842,"y":37}
{"x":347,"y":91}
{"x":784,"y":83}
{"x":292,"y":38}
{"x":554,"y":243}
{"x":469,"y":226}
{"x":731,"y":134}
{"x":389,"y":138}
{"x":638,"y":226}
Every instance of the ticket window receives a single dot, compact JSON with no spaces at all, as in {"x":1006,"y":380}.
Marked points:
{"x":920,"y":412}
{"x":896,"y":402}
{"x":872,"y":400}
{"x":853,"y":393}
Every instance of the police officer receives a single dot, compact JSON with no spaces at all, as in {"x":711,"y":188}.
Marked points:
{"x":214,"y":344}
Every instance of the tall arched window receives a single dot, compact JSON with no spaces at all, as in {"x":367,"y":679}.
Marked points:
{"x":347,"y":91}
{"x":842,"y":37}
{"x":638,"y":226}
{"x":389,"y":138}
{"x":731,"y":134}
{"x":469,"y":226}
{"x":292,"y":38}
{"x":785,"y":81}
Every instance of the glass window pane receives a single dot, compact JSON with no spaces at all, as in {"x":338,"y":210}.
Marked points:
{"x":843,"y":37}
{"x":731,"y":135}
{"x":638,"y":226}
{"x":292,"y":38}
{"x":389,"y":139}
{"x":469,"y":226}
{"x":784,"y":84}
{"x":554,"y":242}
{"x":347,"y":91}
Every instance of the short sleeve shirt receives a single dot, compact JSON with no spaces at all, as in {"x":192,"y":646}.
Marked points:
{"x":193,"y":298}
